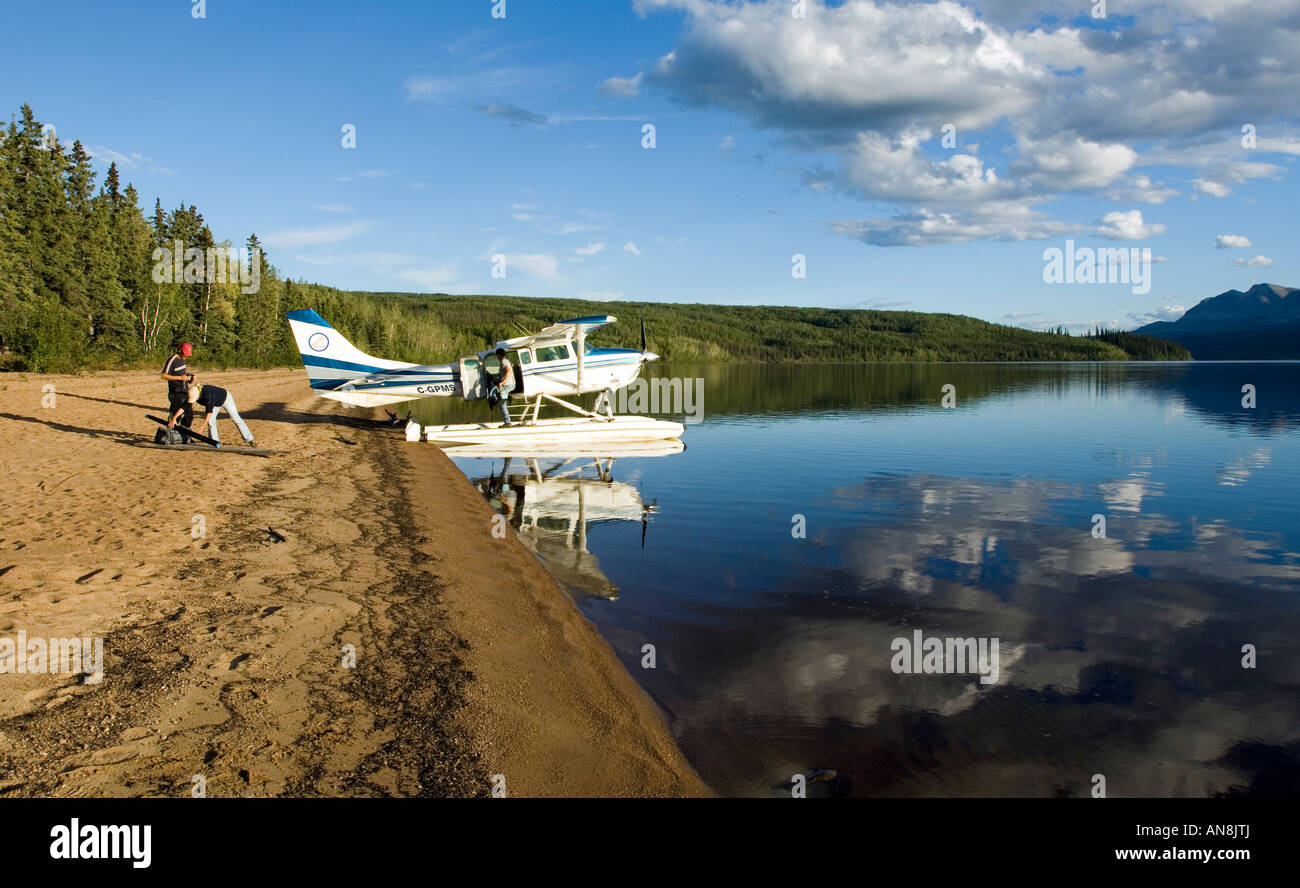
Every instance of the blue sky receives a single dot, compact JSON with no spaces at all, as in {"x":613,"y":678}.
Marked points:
{"x":775,"y":134}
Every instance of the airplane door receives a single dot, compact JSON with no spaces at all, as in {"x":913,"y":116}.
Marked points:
{"x":472,"y":384}
{"x":522,"y":359}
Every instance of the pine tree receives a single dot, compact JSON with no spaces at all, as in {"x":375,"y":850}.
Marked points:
{"x":75,"y":237}
{"x":159,"y":302}
{"x":159,"y":223}
{"x":112,"y":189}
{"x":15,"y":289}
{"x":38,"y":202}
{"x":111,"y":326}
{"x":259,"y":324}
{"x":134,"y":241}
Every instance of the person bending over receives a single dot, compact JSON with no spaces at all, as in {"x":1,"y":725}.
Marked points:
{"x":215,"y":399}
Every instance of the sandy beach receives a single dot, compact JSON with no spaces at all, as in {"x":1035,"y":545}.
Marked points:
{"x":231,"y":593}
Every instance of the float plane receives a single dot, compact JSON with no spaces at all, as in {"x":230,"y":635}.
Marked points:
{"x":553,"y":362}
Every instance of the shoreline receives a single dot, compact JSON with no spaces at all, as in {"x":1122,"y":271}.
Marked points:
{"x":222,"y":652}
{"x":604,"y":735}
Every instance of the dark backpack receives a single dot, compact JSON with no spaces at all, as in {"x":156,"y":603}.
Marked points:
{"x":168,"y":436}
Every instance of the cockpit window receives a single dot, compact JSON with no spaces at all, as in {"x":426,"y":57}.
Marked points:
{"x":552,"y":353}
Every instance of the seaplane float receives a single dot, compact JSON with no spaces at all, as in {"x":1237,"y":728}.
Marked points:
{"x":551,"y":364}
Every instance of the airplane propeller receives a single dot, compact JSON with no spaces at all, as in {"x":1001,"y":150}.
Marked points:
{"x":646,"y":354}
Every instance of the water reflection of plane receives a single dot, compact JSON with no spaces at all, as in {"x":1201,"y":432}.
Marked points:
{"x":552,"y":503}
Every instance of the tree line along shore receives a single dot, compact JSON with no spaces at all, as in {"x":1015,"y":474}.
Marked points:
{"x":89,"y":281}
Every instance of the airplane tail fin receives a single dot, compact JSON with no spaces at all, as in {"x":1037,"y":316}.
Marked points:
{"x":331,"y":360}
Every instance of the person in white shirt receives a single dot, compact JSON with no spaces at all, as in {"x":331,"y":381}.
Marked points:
{"x":505,"y":384}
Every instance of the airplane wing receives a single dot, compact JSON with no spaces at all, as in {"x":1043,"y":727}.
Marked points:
{"x":562,"y":330}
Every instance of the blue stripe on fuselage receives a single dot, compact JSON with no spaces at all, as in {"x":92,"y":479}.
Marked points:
{"x":383,"y":383}
{"x":369,"y":369}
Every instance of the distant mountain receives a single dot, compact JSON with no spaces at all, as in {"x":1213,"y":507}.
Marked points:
{"x":1263,"y":323}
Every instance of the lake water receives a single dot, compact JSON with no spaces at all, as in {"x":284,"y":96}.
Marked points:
{"x":1118,"y":655}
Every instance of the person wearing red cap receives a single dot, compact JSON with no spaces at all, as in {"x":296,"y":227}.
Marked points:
{"x":176,"y":372}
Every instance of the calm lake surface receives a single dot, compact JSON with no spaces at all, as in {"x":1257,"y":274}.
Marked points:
{"x":1118,"y":655}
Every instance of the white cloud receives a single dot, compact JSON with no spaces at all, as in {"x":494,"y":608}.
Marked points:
{"x":1279,"y":144}
{"x":1141,"y":189}
{"x":1160,"y":313}
{"x":548,"y":223}
{"x":859,"y":64}
{"x":430,"y":279}
{"x":378,"y":262}
{"x":310,"y":237}
{"x":1061,"y":163}
{"x":991,"y":220}
{"x":589,"y":118}
{"x":631,"y":248}
{"x":515,"y":115}
{"x":898,"y":170}
{"x":1127,"y":226}
{"x":543,"y":266}
{"x":334,"y":208}
{"x":728,"y":144}
{"x":1212,"y":188}
{"x":567,"y":228}
{"x":860,"y":79}
{"x":128,"y":162}
{"x":425,"y":89}
{"x":1255,"y":262}
{"x":1231,"y":241}
{"x":590,"y":249}
{"x":625,"y":87}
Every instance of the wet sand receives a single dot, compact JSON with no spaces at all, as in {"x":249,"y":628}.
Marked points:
{"x":224,"y":652}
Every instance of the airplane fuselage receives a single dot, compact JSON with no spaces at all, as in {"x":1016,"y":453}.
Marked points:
{"x":551,"y":366}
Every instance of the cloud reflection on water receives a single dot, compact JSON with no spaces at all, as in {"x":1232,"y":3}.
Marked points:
{"x":1117,"y":657}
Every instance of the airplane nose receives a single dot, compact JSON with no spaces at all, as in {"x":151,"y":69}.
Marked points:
{"x":649,"y":356}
